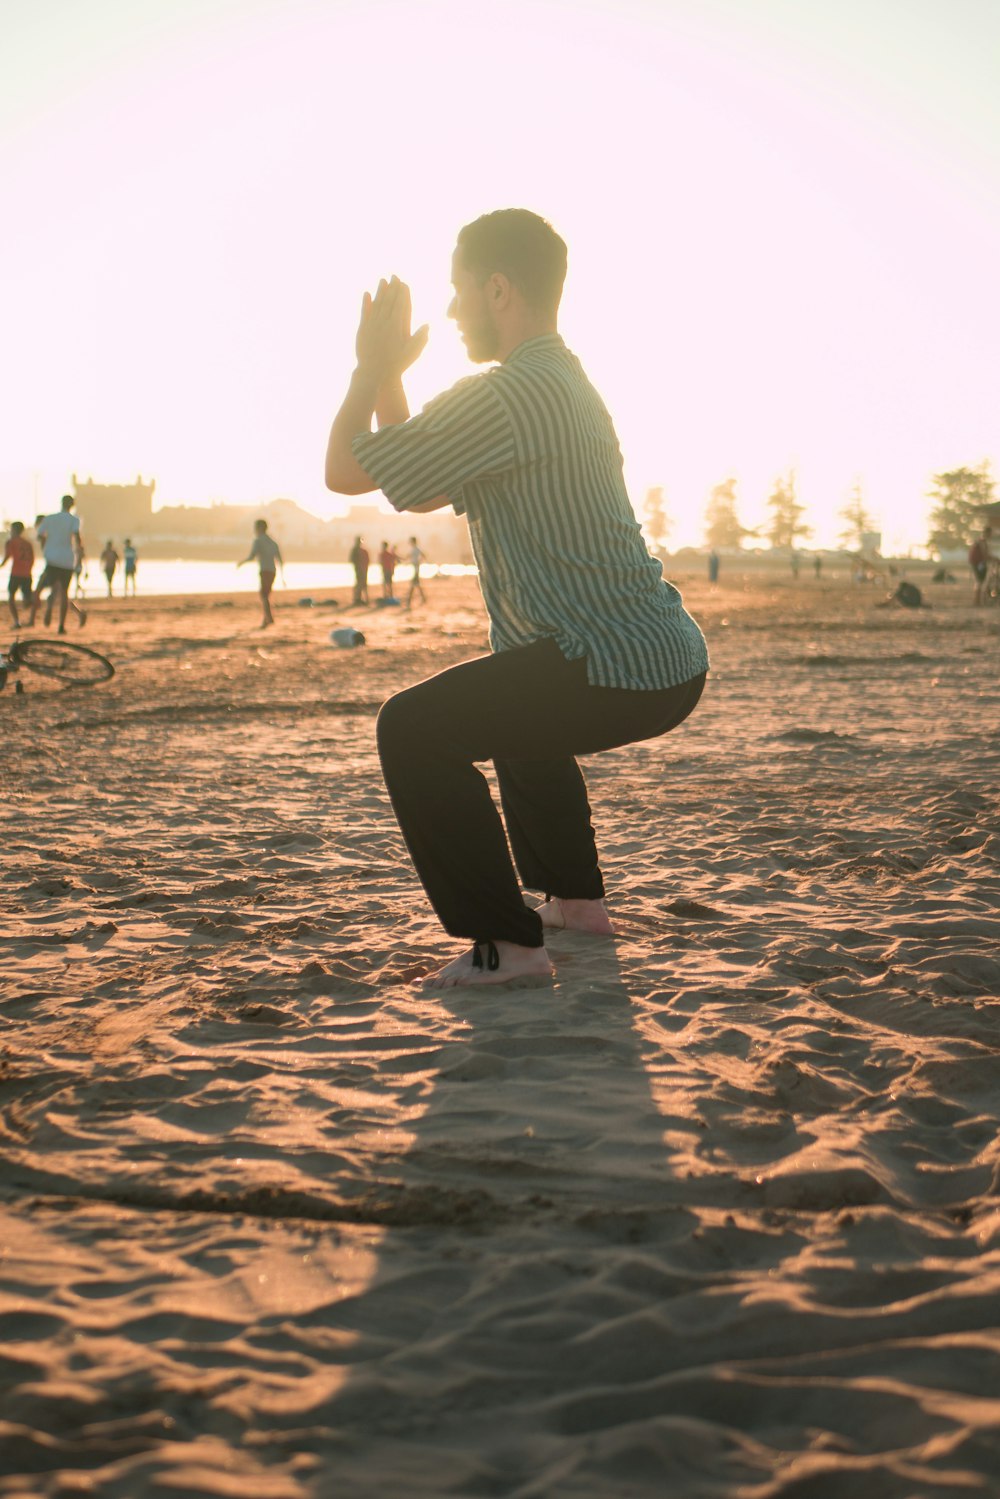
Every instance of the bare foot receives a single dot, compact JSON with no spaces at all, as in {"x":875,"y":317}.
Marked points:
{"x":515,"y":963}
{"x":561,"y":915}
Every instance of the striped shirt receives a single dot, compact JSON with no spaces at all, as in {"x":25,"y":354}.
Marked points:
{"x":527,"y":451}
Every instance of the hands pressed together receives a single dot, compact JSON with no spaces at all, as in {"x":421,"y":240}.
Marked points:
{"x":385,"y":347}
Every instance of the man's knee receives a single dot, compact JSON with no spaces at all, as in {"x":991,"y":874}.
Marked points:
{"x":407,"y":724}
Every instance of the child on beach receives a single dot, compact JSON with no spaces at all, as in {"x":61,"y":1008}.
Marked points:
{"x":109,"y":564}
{"x":131,"y":558}
{"x":21,"y":555}
{"x":980,"y":558}
{"x":591,"y":647}
{"x":415,"y":556}
{"x":266,"y":552}
{"x":359,"y":559}
{"x":387,"y":560}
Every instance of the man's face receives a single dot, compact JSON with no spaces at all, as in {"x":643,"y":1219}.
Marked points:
{"x":471,"y":310}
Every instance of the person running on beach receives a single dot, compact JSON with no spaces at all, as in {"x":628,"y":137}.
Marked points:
{"x":266,"y":552}
{"x":415,"y":556}
{"x":359,"y":559}
{"x":62,"y":548}
{"x":387,"y":560}
{"x":592,"y":648}
{"x":131,"y":559}
{"x":109,"y":564}
{"x":21,"y":555}
{"x":980,"y":558}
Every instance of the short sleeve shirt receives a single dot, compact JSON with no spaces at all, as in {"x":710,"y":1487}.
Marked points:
{"x":59,"y":531}
{"x":266,"y":552}
{"x":22,"y":556}
{"x":529,"y":454}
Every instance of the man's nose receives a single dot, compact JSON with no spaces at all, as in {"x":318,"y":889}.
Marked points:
{"x":452,"y":308}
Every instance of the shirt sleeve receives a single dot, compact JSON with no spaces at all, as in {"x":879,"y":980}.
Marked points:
{"x":461,"y":435}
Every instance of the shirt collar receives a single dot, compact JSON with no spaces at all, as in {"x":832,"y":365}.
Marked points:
{"x":543,"y":341}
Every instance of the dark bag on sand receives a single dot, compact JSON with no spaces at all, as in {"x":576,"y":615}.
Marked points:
{"x":909,"y":595}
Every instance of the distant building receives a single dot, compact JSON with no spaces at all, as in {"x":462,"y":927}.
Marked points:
{"x":113,"y":510}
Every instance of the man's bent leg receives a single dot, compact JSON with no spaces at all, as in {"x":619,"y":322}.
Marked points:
{"x":523,"y":705}
{"x":450,"y":823}
{"x":549,"y":825}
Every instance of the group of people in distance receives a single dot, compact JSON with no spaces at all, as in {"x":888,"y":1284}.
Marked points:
{"x":109,"y":566}
{"x":62,"y":553}
{"x":388,"y":560}
{"x":267,"y":554}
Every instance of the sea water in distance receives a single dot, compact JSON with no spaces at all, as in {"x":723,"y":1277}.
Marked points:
{"x":321,"y":579}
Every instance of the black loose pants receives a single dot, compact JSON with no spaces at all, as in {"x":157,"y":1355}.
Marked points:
{"x":530,"y":711}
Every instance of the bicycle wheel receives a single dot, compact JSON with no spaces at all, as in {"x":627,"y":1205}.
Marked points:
{"x":58,"y":658}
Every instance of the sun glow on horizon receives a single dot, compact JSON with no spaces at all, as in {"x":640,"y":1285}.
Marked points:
{"x":783,"y":233}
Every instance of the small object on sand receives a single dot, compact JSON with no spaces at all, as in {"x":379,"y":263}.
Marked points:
{"x":909,"y":595}
{"x":345,"y":637}
{"x":305,"y":603}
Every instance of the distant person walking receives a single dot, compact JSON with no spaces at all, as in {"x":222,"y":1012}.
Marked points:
{"x":266,"y":553}
{"x":131,"y":559}
{"x":360,"y":561}
{"x":817,"y":566}
{"x":387,"y":560}
{"x":414,"y":557}
{"x":62,"y":548}
{"x":109,"y":565}
{"x":980,"y":558}
{"x":79,"y":573}
{"x":21,"y":555}
{"x":591,"y":647}
{"x":713,"y":566}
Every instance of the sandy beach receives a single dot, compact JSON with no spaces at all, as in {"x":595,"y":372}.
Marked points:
{"x":715,"y":1214}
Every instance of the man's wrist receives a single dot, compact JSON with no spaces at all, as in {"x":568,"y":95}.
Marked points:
{"x":392,"y":385}
{"x":367,"y":378}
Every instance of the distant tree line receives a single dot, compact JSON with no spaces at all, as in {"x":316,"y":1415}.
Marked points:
{"x":958,"y":496}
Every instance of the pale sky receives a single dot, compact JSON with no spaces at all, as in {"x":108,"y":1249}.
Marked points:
{"x":783,"y":222}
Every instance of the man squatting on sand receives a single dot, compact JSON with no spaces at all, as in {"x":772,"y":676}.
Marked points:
{"x":591,"y":648}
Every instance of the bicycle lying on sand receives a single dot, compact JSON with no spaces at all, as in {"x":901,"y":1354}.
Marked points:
{"x":76,"y":665}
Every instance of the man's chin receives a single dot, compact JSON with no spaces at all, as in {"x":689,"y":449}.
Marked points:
{"x":479,"y":350}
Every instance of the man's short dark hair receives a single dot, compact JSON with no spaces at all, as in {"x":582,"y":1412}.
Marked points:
{"x":68,"y":501}
{"x":521,"y":246}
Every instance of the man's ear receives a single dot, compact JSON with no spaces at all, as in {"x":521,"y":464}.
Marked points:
{"x":498,"y":290}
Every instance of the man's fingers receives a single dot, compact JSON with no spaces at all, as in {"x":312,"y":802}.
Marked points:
{"x":384,"y":306}
{"x":415,"y":346}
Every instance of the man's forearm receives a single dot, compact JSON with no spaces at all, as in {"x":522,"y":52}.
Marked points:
{"x":391,"y":406}
{"x":344,"y":473}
